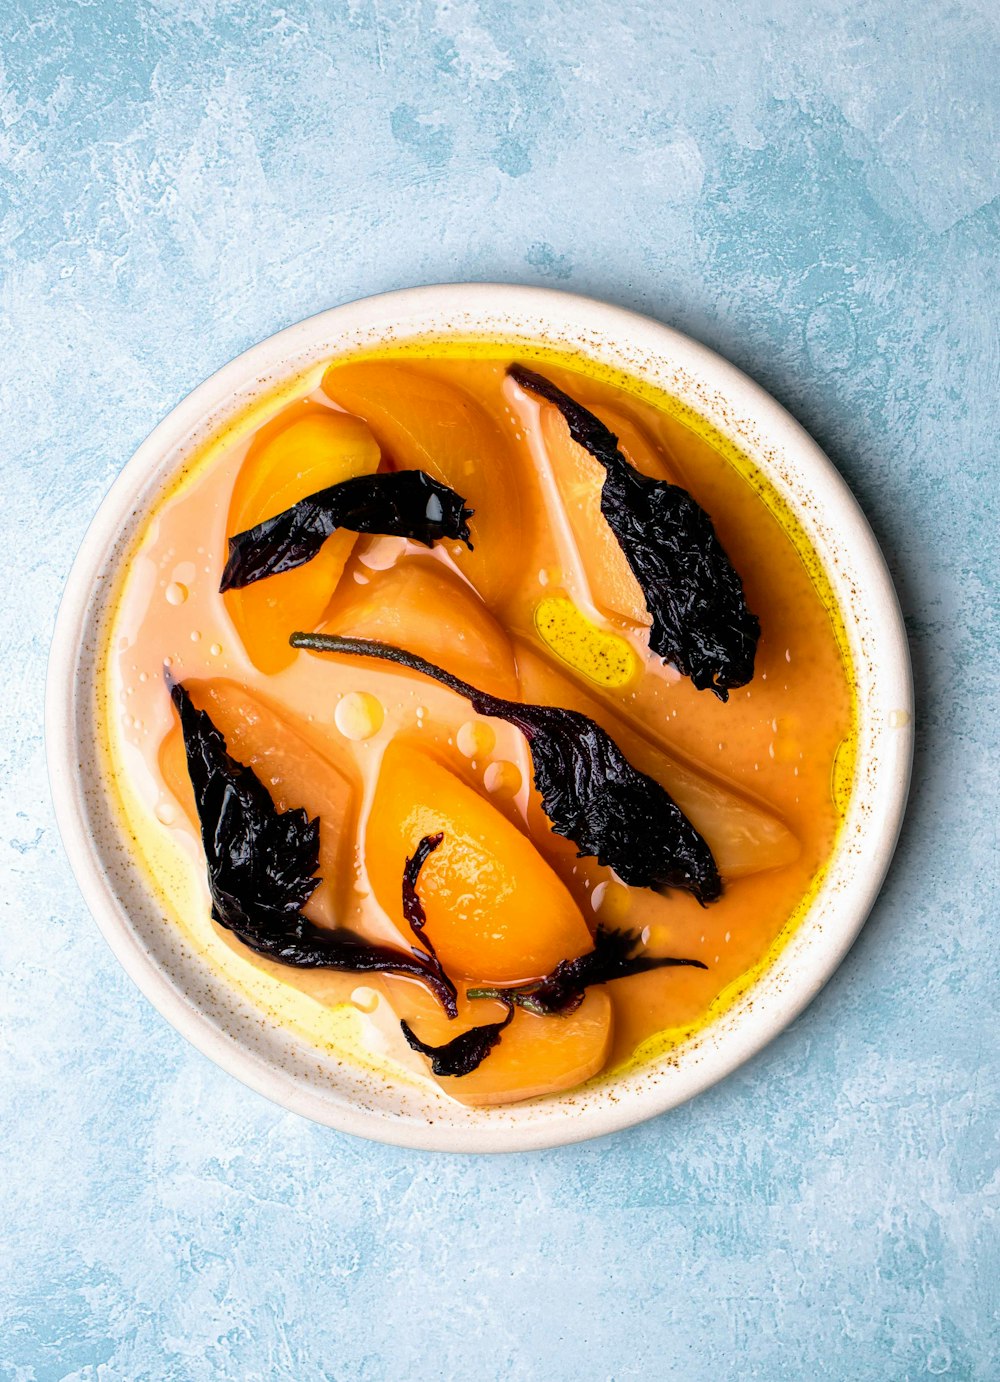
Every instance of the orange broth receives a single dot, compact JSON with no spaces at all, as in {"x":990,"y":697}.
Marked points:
{"x":539,"y":611}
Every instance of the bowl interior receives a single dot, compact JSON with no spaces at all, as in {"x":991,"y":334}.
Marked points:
{"x":273,"y":1059}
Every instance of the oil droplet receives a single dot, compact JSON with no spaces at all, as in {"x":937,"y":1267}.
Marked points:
{"x":195,"y":636}
{"x":359,"y":715}
{"x":215,"y":649}
{"x":143,"y":677}
{"x":475,"y":738}
{"x":603,"y":657}
{"x":185,"y":572}
{"x":502,"y":779}
{"x":176,"y":593}
{"x":365,"y":999}
{"x":611,"y":901}
{"x":166,"y":814}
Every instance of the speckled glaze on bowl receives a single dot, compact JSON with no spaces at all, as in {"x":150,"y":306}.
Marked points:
{"x":272,"y":1059}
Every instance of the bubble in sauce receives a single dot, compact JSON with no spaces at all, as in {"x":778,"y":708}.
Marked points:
{"x":176,"y":593}
{"x":195,"y":636}
{"x":215,"y":649}
{"x":166,"y":813}
{"x":611,"y":901}
{"x":502,"y":779}
{"x":365,"y":999}
{"x":359,"y":715}
{"x":475,"y":738}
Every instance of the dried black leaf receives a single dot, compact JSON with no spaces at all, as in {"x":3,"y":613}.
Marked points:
{"x":695,"y":598}
{"x":463,"y":1053}
{"x":262,"y":868}
{"x":613,"y":957}
{"x":590,"y":792}
{"x":403,"y":503}
{"x":413,"y":911}
{"x":413,"y":908}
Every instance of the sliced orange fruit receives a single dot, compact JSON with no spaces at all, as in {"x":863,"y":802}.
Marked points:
{"x":421,"y":606}
{"x":307,"y":448}
{"x":580,"y":479}
{"x":535,"y":1055}
{"x":495,"y":909}
{"x":425,"y":423}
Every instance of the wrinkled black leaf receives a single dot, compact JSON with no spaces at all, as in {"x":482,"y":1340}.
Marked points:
{"x":416,"y":917}
{"x":413,"y":908}
{"x":613,"y":957}
{"x":403,"y":503}
{"x":590,"y":792}
{"x":701,"y":624}
{"x":262,"y":868}
{"x":463,"y":1053}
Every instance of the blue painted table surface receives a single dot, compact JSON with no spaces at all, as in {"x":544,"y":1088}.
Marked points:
{"x":808,"y":186}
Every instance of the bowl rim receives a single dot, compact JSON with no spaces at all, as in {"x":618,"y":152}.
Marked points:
{"x":603,"y":331}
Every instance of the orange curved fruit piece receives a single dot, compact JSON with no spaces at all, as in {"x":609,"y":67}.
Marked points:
{"x":495,"y":909}
{"x":743,"y":836}
{"x":305,"y":449}
{"x":425,"y":423}
{"x":580,"y":479}
{"x":420,"y":605}
{"x":295,"y":773}
{"x":535,"y":1055}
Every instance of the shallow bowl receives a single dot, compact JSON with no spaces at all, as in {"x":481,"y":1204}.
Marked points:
{"x":272,"y":1059}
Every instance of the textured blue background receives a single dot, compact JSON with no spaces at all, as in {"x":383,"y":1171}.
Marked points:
{"x":810,"y":187}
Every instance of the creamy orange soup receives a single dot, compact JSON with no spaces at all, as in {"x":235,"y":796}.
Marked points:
{"x":542,"y":610}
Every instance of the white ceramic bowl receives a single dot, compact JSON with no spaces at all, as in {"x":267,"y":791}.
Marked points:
{"x":273,"y":1060}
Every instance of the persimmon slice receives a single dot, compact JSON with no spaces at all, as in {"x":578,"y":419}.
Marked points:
{"x":496,"y":911}
{"x":425,"y":423}
{"x":419,"y":604}
{"x":304,"y":450}
{"x":535,"y":1055}
{"x":580,"y":478}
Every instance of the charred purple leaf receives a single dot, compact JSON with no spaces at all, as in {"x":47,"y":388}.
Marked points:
{"x":590,"y":792}
{"x":463,"y":1053}
{"x":695,"y":598}
{"x":262,"y":866}
{"x":416,"y":917}
{"x":613,"y":957}
{"x":404,"y":503}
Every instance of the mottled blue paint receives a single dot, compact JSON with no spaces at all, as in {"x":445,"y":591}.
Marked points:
{"x":810,"y":187}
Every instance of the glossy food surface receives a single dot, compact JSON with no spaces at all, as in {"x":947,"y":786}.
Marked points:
{"x":542,"y":609}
